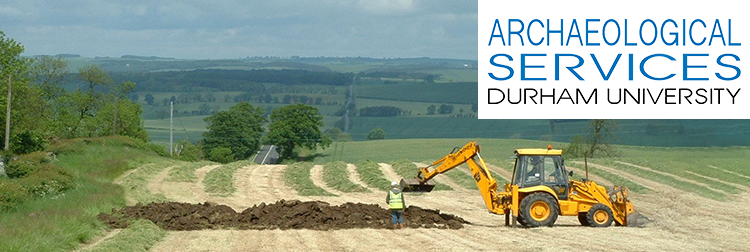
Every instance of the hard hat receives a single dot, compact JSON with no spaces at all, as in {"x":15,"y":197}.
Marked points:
{"x":394,"y":184}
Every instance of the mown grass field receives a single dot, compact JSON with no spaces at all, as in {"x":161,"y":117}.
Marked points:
{"x":723,"y":169}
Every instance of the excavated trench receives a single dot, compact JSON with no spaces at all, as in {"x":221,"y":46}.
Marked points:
{"x":284,"y":214}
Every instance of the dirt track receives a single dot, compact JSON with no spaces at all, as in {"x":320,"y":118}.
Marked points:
{"x":684,"y":222}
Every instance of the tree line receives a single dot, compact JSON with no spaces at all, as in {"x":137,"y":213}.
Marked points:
{"x":230,"y":80}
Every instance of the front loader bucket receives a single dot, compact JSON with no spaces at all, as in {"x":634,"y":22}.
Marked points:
{"x":415,"y":185}
{"x":637,"y":219}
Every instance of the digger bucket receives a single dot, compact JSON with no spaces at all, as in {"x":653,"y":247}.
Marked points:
{"x":415,"y":185}
{"x":619,"y":197}
{"x":637,"y":219}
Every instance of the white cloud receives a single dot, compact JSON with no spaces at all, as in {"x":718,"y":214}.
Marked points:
{"x":387,"y":6}
{"x":10,"y":11}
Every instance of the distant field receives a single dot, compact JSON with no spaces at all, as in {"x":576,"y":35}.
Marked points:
{"x":630,"y":132}
{"x":416,"y":108}
{"x":463,"y":92}
{"x":455,"y":75}
{"x":445,"y":127}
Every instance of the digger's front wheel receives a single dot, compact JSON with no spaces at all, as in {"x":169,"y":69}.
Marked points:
{"x":538,"y":209}
{"x":600,"y":216}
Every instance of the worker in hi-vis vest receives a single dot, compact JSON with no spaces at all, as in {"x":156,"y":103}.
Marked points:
{"x":395,"y":200}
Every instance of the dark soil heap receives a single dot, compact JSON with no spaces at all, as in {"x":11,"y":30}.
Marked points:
{"x":292,"y":214}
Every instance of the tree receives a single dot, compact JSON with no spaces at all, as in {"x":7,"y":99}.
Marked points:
{"x":187,"y":151}
{"x":149,"y":99}
{"x":222,"y":155}
{"x":431,"y":110}
{"x":204,"y":109}
{"x":49,"y":74}
{"x":210,"y":97}
{"x":376,"y":134}
{"x":296,"y":125}
{"x":134,"y":97}
{"x":597,"y":141}
{"x":445,"y":109}
{"x":239,"y":129}
{"x":12,"y":66}
{"x":94,"y":76}
{"x":129,"y":121}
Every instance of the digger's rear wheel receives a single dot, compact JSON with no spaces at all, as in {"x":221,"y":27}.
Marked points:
{"x":582,"y":219}
{"x":600,"y":216}
{"x":538,"y":209}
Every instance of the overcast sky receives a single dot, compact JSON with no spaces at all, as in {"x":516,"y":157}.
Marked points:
{"x":234,"y":29}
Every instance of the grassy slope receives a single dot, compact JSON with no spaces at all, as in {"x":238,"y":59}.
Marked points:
{"x":62,"y":222}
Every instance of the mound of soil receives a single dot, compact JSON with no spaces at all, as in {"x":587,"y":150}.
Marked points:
{"x":292,"y":214}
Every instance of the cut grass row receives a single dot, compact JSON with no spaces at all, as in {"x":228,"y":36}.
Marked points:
{"x":611,"y":177}
{"x":370,"y":173}
{"x":185,"y":171}
{"x":664,"y":179}
{"x":220,"y":180}
{"x":679,"y":169}
{"x":407,"y":169}
{"x":136,"y":183}
{"x":336,"y":176}
{"x":461,"y":177}
{"x":141,"y":235}
{"x":297,"y":176}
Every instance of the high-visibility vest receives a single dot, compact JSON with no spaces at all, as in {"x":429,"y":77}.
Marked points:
{"x":396,"y":201}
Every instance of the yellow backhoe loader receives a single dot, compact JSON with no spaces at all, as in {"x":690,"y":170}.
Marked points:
{"x":538,"y":192}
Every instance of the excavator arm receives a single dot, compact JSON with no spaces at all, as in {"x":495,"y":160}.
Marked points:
{"x":468,"y":154}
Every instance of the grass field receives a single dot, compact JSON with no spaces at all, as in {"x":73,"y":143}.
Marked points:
{"x":463,"y":92}
{"x":416,"y":108}
{"x":386,"y":151}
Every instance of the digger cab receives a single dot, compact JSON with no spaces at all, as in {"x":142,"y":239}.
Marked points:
{"x":534,"y":167}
